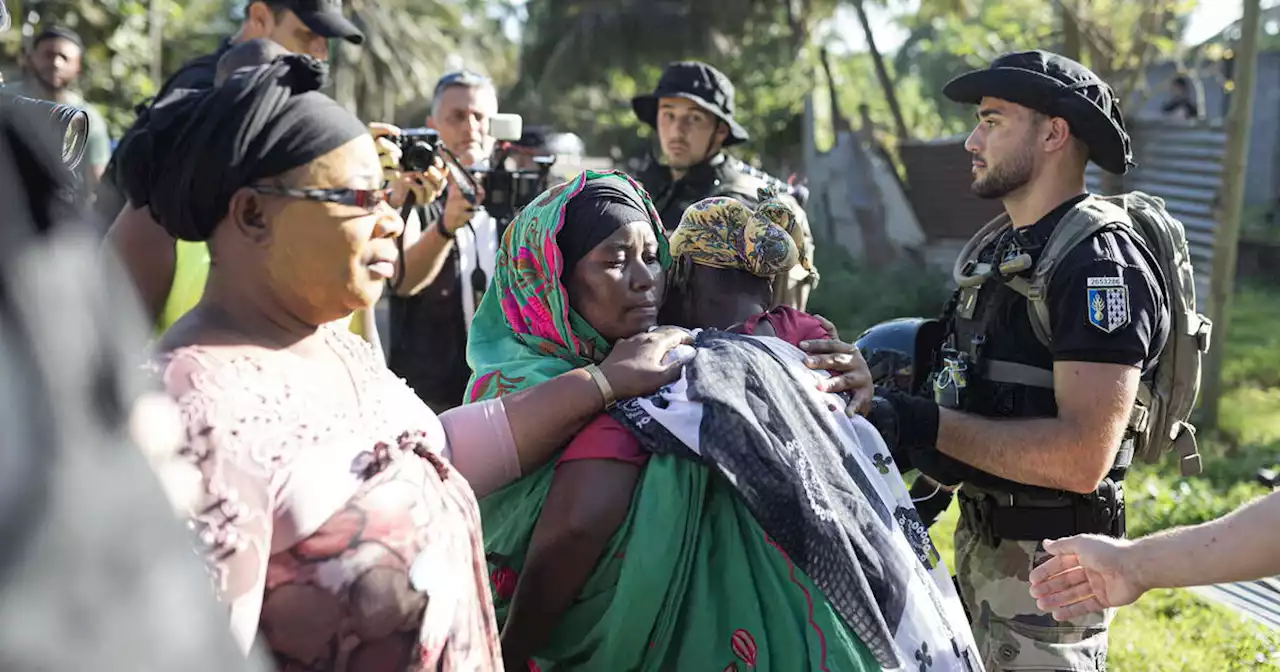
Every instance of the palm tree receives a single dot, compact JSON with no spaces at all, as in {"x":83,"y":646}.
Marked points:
{"x":408,"y":45}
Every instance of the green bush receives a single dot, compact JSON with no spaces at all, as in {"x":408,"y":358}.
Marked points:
{"x":854,"y":297}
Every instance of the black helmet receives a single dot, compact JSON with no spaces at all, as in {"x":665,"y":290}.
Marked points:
{"x":901,"y":353}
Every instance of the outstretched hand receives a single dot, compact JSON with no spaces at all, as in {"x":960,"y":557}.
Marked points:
{"x":635,"y":367}
{"x":849,"y":370}
{"x":1087,"y":574}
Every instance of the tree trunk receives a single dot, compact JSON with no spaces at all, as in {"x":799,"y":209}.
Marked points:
{"x":155,"y":17}
{"x":839,"y":122}
{"x":1227,"y":238}
{"x":882,"y":73}
{"x":1070,"y":32}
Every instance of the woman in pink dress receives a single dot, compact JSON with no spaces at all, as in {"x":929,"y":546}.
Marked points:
{"x":337,"y":513}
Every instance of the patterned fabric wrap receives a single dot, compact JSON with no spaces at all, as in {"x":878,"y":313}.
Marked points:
{"x":822,"y":485}
{"x":723,"y":233}
{"x":524,"y":331}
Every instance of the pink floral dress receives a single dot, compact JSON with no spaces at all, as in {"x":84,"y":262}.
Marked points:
{"x":339,"y":535}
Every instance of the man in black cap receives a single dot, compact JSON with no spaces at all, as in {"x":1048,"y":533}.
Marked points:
{"x":301,"y":27}
{"x":692,"y":111}
{"x":1035,"y":418}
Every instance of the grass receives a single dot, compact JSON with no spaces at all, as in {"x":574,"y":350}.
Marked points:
{"x":1174,"y":630}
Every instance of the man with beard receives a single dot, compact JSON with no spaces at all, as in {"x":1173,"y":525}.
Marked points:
{"x":1038,"y":427}
{"x":692,"y":112}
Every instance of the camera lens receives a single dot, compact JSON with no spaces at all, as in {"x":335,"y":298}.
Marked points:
{"x":69,"y":122}
{"x":75,"y":132}
{"x":417,"y":157}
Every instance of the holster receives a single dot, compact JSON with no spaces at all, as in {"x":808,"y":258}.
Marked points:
{"x":995,"y":516}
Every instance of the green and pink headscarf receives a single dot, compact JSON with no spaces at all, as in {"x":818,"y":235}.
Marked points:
{"x":524,"y":331}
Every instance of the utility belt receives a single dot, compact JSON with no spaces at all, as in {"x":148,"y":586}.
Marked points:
{"x":1015,"y":516}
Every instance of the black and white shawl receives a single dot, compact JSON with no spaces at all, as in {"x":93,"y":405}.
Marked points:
{"x":821,"y":484}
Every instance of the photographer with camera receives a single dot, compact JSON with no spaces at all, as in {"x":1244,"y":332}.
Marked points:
{"x":435,"y":295}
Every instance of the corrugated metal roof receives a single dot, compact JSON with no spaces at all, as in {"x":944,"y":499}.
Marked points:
{"x":1180,"y":162}
{"x":1259,"y":600}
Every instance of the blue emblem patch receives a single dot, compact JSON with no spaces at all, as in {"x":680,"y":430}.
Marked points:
{"x":1108,"y":303}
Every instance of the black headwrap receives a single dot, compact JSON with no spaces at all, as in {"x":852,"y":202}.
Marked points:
{"x":602,"y":207}
{"x":194,"y":152}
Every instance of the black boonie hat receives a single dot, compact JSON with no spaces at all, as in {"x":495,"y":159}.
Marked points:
{"x":702,"y":84}
{"x":1058,"y":86}
{"x":325,"y":18}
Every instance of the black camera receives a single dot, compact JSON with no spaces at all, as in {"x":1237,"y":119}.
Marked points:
{"x":507,"y":191}
{"x":418,"y":149}
{"x":69,"y":122}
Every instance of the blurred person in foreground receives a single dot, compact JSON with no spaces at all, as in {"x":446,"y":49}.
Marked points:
{"x":1090,"y":573}
{"x":691,"y":110}
{"x":93,"y":566}
{"x":449,"y":248}
{"x":50,"y":70}
{"x":336,"y":511}
{"x":149,"y":254}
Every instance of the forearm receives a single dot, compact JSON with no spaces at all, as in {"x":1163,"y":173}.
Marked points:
{"x":544,"y":417}
{"x":422,"y":261}
{"x":552,"y":578}
{"x":1237,"y":547}
{"x":147,"y":253}
{"x":1045,"y":452}
{"x":586,"y":504}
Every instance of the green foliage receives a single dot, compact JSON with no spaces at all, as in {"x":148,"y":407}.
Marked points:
{"x":1119,"y":38}
{"x":1173,"y":630}
{"x":114,"y":74}
{"x":409,"y":44}
{"x":584,"y":61}
{"x":854,"y":298}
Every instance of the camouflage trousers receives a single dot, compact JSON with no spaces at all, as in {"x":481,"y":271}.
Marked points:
{"x":1010,"y":631}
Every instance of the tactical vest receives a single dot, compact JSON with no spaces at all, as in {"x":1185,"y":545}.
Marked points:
{"x":993,"y":275}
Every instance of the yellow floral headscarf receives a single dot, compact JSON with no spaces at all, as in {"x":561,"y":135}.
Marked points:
{"x":721,"y":232}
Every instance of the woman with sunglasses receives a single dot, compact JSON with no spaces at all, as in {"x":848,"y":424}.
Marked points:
{"x":337,"y":513}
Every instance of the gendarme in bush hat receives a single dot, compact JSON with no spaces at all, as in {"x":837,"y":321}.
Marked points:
{"x":700,"y":83}
{"x":1060,"y":87}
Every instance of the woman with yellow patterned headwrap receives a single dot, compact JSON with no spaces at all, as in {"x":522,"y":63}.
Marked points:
{"x":721,"y":232}
{"x":727,"y":258}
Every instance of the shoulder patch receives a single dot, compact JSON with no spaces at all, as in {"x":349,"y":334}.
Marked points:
{"x":1107,"y":303}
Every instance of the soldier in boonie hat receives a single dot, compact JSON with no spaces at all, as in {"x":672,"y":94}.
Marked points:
{"x":691,"y":110}
{"x":1055,"y":86}
{"x":1057,"y":299}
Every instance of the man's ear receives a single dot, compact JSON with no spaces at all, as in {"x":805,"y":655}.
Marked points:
{"x":246,"y":216}
{"x":1058,"y":135}
{"x":258,"y":19}
{"x":722,"y":133}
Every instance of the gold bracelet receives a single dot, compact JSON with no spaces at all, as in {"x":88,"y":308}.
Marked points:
{"x":606,"y":390}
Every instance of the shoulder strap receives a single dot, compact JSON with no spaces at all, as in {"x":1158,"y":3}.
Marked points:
{"x":1083,"y":221}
